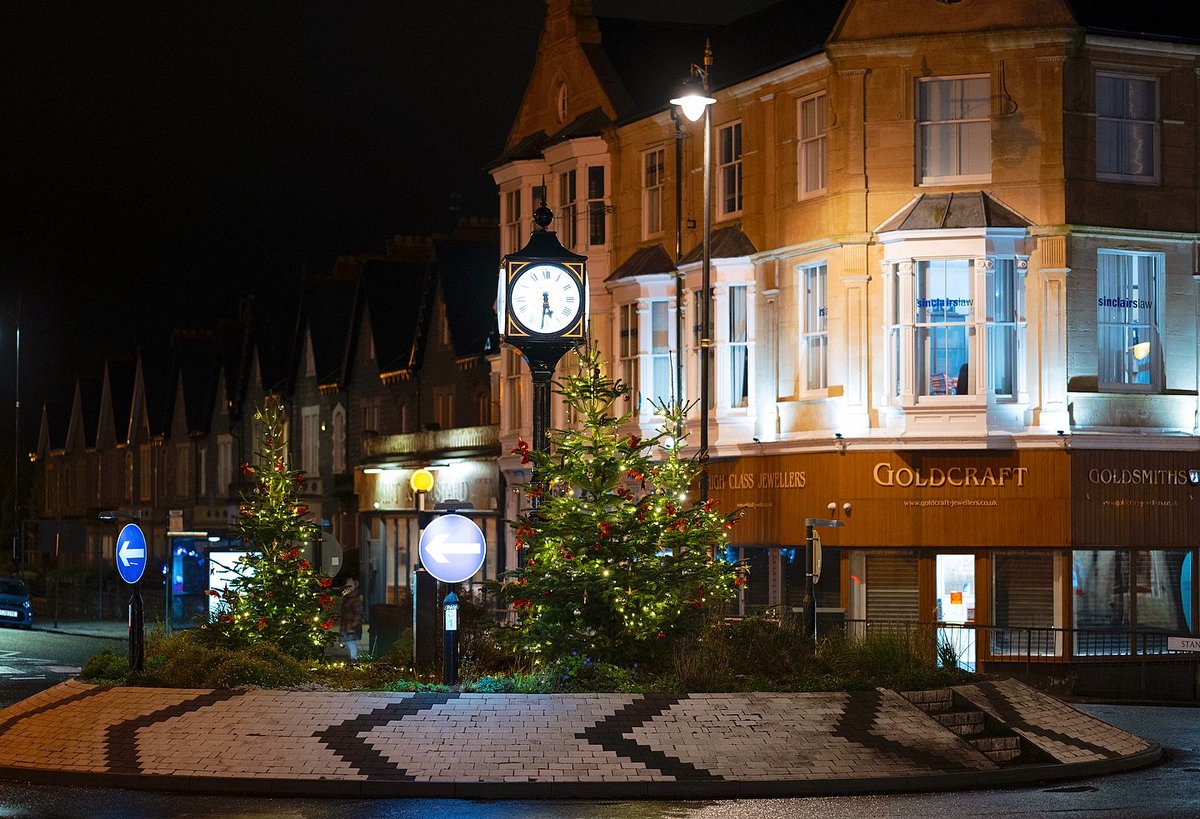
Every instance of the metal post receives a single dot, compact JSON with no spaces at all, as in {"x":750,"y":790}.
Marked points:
{"x":450,"y":647}
{"x":18,"y":544}
{"x":541,"y":374}
{"x":705,"y":281}
{"x":679,"y":331}
{"x":137,"y":631}
{"x":810,"y":592}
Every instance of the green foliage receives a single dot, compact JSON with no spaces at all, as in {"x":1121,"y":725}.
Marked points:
{"x":262,"y":665}
{"x":106,"y":667}
{"x":278,"y":596}
{"x":191,"y":659}
{"x":615,"y":563}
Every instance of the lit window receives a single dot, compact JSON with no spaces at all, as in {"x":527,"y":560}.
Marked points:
{"x":224,"y":463}
{"x":954,"y":117}
{"x":628,"y":351}
{"x":739,"y":351}
{"x":811,"y":135}
{"x":944,"y":303}
{"x":814,"y":333}
{"x":514,"y":398}
{"x":596,"y":209}
{"x":566,"y":209}
{"x":1127,"y":311}
{"x":512,"y":219}
{"x":310,"y":461}
{"x":660,"y":353}
{"x":729,"y":169}
{"x":1005,"y":321}
{"x":1126,"y":127}
{"x":652,"y":191}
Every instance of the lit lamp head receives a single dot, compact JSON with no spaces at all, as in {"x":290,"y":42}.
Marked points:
{"x":693,"y":98}
{"x":421,"y":481}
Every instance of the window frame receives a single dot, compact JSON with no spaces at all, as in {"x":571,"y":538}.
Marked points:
{"x":924,"y":177}
{"x":806,"y":334}
{"x":1155,"y":124}
{"x":729,"y":169}
{"x":512,"y":217}
{"x":568,"y":198}
{"x":657,"y":356}
{"x":597,"y":206}
{"x":738,"y":341}
{"x":1156,"y":365}
{"x":653,"y":186}
{"x":628,"y":350}
{"x":804,"y":139}
{"x":310,"y":441}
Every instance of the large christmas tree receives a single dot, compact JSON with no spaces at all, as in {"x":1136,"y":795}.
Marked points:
{"x":617,"y":560}
{"x":277,"y":595}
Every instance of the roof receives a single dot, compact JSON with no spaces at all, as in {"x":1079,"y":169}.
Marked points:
{"x":467,"y":270}
{"x":58,"y":421}
{"x":943,"y":211}
{"x":645,"y":261}
{"x":89,"y":404}
{"x":394,"y":292}
{"x":326,"y":311}
{"x":727,"y":243}
{"x":121,"y":376}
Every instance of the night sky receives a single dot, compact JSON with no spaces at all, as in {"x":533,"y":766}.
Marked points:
{"x":161,"y":158}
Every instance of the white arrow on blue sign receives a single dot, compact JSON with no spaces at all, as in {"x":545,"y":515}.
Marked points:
{"x":131,"y":553}
{"x":452,"y":548}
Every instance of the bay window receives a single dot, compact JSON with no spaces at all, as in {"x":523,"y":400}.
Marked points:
{"x":943,"y":317}
{"x":566,"y":207}
{"x":660,"y":352}
{"x":627,"y":348}
{"x":739,"y":351}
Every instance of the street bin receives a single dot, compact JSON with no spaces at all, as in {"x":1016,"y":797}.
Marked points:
{"x":387,"y":621}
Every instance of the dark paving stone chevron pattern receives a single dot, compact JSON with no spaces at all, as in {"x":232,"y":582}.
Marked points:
{"x":431,"y":744}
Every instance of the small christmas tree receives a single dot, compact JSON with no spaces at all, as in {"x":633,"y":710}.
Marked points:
{"x":277,"y":595}
{"x":615,"y":562}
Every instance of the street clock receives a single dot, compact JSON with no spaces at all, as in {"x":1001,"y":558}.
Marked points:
{"x":542,"y":309}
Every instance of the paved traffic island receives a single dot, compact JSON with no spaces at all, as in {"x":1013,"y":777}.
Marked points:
{"x":556,"y":746}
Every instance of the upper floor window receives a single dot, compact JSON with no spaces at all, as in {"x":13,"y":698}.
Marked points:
{"x":699,"y":336}
{"x":739,"y":350}
{"x":954,"y":118}
{"x":811,"y":138}
{"x":1005,"y":324}
{"x":339,"y":439}
{"x":567,"y":228}
{"x":202,"y":471}
{"x":310,"y":460}
{"x":443,"y":407}
{"x":513,"y":223}
{"x":224,"y":463}
{"x":652,"y":191}
{"x":814,"y":330}
{"x":660,"y":352}
{"x":627,"y":348}
{"x":729,"y":169}
{"x":514,"y":394}
{"x":1127,"y":320}
{"x":596,"y":209}
{"x":182,"y":470}
{"x":1126,"y":127}
{"x":370,"y":416}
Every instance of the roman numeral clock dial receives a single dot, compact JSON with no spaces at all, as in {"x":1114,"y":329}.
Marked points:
{"x":545,"y":299}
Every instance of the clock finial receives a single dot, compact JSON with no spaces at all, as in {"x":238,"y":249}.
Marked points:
{"x":543,"y":216}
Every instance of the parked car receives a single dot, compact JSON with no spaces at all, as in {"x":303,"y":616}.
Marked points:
{"x":16,"y":608}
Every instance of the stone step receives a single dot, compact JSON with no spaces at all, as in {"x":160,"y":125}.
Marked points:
{"x":931,"y":702}
{"x":963,"y":723}
{"x":999,"y":749}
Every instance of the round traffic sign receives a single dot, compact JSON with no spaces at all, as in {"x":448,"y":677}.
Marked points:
{"x":452,"y":548}
{"x":131,"y":553}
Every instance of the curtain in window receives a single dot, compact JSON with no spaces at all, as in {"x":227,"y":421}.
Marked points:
{"x":738,"y":351}
{"x":955,"y":123}
{"x":1126,"y":125}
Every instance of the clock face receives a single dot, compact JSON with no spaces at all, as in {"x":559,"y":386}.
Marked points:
{"x":545,"y":298}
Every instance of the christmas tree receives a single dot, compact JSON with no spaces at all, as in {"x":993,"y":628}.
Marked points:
{"x":615,"y":562}
{"x":277,"y":594}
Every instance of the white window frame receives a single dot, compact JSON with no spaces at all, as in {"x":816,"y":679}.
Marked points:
{"x":653,"y":178}
{"x":812,"y":144}
{"x":956,"y":123}
{"x":310,"y":440}
{"x":597,"y":205}
{"x":813,"y":288}
{"x":1126,"y":126}
{"x":568,"y":205}
{"x":514,"y":389}
{"x":658,"y":356}
{"x":512,"y":218}
{"x":1153,"y":359}
{"x":738,"y":344}
{"x":729,"y":168}
{"x":628,"y":350}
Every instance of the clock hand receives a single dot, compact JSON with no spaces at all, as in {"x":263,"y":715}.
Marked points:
{"x":546,"y":311}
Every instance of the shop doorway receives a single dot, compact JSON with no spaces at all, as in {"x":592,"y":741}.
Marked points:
{"x":955,"y":590}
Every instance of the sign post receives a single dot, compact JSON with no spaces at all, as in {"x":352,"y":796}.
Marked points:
{"x":452,"y":550}
{"x":131,"y":565}
{"x":812,"y":563}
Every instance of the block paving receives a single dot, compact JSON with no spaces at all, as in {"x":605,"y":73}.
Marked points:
{"x":535,"y":745}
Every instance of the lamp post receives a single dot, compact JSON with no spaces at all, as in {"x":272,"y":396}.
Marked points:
{"x":18,"y":547}
{"x":695,"y":100}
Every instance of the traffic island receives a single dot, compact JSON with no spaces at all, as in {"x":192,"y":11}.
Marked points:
{"x":258,"y":741}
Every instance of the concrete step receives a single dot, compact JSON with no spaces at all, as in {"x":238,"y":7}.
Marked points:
{"x":963,"y":723}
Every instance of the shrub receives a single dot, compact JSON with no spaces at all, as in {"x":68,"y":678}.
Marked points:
{"x":577,"y":674}
{"x":106,"y":667}
{"x":184,"y":659}
{"x":262,"y":665}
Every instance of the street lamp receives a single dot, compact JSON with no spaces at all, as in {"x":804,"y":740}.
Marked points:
{"x":695,"y":100}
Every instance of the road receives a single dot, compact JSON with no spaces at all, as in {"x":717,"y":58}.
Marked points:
{"x":1169,"y":789}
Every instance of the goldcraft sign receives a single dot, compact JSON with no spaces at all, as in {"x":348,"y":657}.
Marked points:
{"x":887,"y":475}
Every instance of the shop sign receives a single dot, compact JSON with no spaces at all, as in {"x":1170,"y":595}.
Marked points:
{"x":1183,"y":644}
{"x":887,"y":475}
{"x":1144,"y":477}
{"x":760,"y":480}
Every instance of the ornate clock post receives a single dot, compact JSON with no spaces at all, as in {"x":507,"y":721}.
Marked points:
{"x":542,"y":306}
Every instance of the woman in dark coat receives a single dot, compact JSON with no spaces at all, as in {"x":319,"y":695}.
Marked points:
{"x":350,"y":617}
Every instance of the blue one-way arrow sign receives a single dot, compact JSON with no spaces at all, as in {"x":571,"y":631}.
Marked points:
{"x":452,"y":548}
{"x":131,"y":553}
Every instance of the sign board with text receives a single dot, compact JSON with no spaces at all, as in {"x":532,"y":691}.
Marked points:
{"x":1183,"y":644}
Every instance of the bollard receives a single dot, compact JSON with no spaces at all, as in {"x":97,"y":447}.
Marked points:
{"x":450,"y":649}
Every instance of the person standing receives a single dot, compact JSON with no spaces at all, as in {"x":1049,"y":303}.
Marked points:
{"x":350,"y":617}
